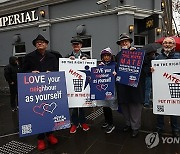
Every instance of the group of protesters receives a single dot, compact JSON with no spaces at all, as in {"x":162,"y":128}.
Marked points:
{"x":130,"y":99}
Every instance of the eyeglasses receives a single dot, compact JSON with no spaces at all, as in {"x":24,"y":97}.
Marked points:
{"x":40,"y":42}
{"x":168,"y":43}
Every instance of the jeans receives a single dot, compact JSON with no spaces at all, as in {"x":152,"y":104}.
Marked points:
{"x":148,"y":87}
{"x":173,"y":119}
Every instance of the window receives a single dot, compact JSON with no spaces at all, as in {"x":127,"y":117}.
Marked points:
{"x":87,"y":46}
{"x":19,"y":49}
{"x":139,"y":40}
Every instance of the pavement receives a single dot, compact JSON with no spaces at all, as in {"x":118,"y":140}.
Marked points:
{"x":94,"y":141}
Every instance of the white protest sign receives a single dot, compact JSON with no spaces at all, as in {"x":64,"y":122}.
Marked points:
{"x":77,"y":74}
{"x":166,"y":86}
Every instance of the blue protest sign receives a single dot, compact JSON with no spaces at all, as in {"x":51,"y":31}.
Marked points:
{"x":102,"y":83}
{"x":129,"y":67}
{"x":43,"y":103}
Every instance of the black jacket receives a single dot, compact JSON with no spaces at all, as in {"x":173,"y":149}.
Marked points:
{"x":35,"y":61}
{"x":82,"y":55}
{"x":11,"y":70}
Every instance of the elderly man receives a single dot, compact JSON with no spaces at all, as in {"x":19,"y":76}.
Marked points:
{"x":168,"y":52}
{"x":130,"y":98}
{"x":78,"y":116}
{"x":37,"y":61}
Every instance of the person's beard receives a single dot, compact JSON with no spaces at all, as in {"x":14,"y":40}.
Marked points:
{"x":168,"y":49}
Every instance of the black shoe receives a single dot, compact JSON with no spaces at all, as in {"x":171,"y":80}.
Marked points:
{"x":104,"y":125}
{"x":146,"y":105}
{"x":13,"y":109}
{"x":109,"y":129}
{"x":126,"y":128}
{"x":176,"y":134}
{"x":135,"y":133}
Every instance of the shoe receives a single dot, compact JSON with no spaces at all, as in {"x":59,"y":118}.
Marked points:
{"x":146,"y":105}
{"x":109,"y":129}
{"x":135,"y":133}
{"x":41,"y":145}
{"x":104,"y":125}
{"x":126,"y":128}
{"x":14,"y":109}
{"x":176,"y":134}
{"x":52,"y":139}
{"x":73,"y":129}
{"x":85,"y":127}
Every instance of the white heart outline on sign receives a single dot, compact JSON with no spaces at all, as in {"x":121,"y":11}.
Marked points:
{"x":50,"y":111}
{"x":104,"y":86}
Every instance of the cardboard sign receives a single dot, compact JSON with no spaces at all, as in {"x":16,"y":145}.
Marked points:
{"x":129,"y":67}
{"x":43,"y":103}
{"x":78,"y":73}
{"x":102,"y":83}
{"x":166,"y":86}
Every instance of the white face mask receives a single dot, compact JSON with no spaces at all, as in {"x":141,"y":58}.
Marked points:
{"x":124,"y":47}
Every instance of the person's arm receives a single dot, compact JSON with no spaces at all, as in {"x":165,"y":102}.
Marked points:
{"x":7,"y":74}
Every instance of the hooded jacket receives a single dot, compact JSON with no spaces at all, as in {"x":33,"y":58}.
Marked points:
{"x":11,"y":70}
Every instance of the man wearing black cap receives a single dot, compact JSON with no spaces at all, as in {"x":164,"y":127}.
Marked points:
{"x":78,"y":116}
{"x":130,"y":98}
{"x":37,"y":61}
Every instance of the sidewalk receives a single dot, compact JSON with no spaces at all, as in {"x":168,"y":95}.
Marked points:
{"x":94,"y":141}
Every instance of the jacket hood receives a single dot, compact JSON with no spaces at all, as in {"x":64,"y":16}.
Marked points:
{"x":12,"y":60}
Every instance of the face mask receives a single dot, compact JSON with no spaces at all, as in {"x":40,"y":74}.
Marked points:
{"x":124,"y":47}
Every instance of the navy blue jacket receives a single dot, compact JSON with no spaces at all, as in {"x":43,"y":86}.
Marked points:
{"x":172,"y":55}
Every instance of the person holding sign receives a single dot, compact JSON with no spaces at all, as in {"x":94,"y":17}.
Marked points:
{"x":130,"y":98}
{"x":37,"y":61}
{"x":78,"y":115}
{"x":106,"y":57}
{"x":168,"y":52}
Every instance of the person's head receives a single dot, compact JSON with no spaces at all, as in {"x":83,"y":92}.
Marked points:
{"x":40,"y":43}
{"x":124,"y":41}
{"x":13,"y":60}
{"x":76,"y":44}
{"x":169,"y":44}
{"x":106,"y":55}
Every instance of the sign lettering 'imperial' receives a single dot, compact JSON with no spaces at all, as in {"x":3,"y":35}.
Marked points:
{"x":18,"y":18}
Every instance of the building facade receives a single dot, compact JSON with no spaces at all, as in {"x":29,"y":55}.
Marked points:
{"x":98,"y":23}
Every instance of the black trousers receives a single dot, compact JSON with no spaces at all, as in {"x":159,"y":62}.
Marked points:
{"x":43,"y":135}
{"x":13,"y":95}
{"x":108,"y":115}
{"x":78,"y":116}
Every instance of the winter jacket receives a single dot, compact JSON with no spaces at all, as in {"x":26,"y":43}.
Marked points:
{"x":11,"y":70}
{"x":35,"y":61}
{"x":81,"y":55}
{"x":172,"y":55}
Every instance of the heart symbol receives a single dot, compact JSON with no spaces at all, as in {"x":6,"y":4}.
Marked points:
{"x":99,"y":87}
{"x":39,"y":109}
{"x":104,"y":86}
{"x":50,"y":107}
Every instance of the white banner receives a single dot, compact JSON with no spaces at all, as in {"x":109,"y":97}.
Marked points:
{"x":77,"y":74}
{"x":166,"y":86}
